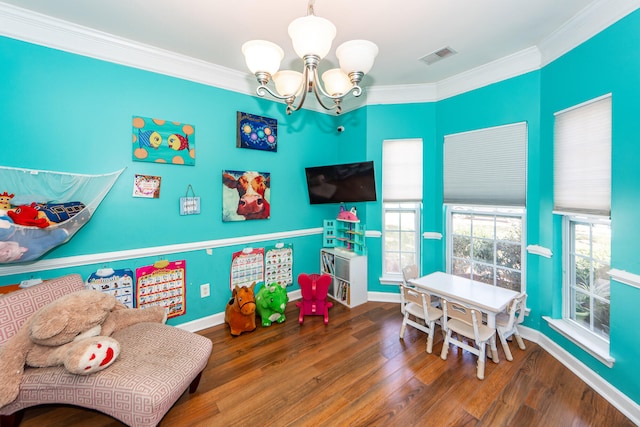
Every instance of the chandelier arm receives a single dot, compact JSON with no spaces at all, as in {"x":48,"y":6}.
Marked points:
{"x":262,"y":90}
{"x":316,"y":85}
{"x":303,"y":90}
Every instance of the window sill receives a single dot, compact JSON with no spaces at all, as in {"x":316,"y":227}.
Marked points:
{"x":593,"y":345}
{"x":393,"y":281}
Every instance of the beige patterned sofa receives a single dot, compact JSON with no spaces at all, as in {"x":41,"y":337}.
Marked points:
{"x":156,"y":365}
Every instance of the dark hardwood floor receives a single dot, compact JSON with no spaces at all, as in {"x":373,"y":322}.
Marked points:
{"x":357,"y":372}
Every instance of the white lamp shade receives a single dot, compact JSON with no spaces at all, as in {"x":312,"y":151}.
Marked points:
{"x":287,"y":82}
{"x":261,"y":55}
{"x":312,"y":35}
{"x":356,"y":55}
{"x":336,"y":82}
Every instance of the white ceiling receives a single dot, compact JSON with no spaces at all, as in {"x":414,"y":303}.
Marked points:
{"x":481,"y":31}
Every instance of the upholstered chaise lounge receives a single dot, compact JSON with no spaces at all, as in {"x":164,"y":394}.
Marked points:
{"x":156,"y":365}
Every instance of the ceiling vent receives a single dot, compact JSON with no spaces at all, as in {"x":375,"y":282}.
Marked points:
{"x":436,"y":56}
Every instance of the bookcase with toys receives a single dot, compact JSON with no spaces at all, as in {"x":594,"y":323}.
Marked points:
{"x":344,"y":257}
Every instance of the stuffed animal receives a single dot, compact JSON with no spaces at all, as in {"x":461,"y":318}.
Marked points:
{"x":32,"y":242}
{"x":240,"y":313}
{"x":10,"y":252}
{"x":28,"y":215}
{"x":5,"y":200}
{"x":73,"y":331}
{"x":271,"y":302}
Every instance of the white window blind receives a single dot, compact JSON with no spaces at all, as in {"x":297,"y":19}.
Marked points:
{"x":582,"y":158}
{"x":402,"y":170}
{"x":487,"y":166}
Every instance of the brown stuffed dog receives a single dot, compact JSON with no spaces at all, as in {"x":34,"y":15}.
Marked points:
{"x":73,"y":331}
{"x":240,"y":312}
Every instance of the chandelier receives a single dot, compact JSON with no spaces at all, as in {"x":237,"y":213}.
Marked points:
{"x":311,"y":37}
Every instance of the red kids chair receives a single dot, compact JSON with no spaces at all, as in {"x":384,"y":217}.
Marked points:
{"x":314,"y":288}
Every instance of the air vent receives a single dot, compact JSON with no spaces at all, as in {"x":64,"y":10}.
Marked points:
{"x":436,"y":56}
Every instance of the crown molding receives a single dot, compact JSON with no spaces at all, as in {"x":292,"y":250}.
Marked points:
{"x":590,"y":21}
{"x":32,"y":27}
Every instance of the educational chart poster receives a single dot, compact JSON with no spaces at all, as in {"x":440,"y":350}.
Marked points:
{"x":163,"y":284}
{"x":247,"y":267}
{"x":118,"y":283}
{"x":163,"y":141}
{"x":278,"y":261}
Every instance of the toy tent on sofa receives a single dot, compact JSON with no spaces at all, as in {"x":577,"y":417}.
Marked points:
{"x":66,"y":201}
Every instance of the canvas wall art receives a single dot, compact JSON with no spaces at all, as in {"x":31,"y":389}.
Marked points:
{"x":162,"y":141}
{"x":245,"y":195}
{"x":256,"y":132}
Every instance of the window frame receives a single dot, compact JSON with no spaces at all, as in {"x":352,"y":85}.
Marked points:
{"x":399,"y":206}
{"x":568,"y":272}
{"x":496,"y":211}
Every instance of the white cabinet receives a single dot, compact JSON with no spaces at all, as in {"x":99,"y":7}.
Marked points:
{"x":349,"y":272}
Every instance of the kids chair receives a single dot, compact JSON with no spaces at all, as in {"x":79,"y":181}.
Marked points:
{"x":314,"y":288}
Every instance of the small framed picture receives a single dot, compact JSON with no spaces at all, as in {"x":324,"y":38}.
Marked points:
{"x":256,"y":132}
{"x":147,"y":186}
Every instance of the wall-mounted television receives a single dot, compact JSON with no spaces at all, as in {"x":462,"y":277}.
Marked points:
{"x":345,"y":183}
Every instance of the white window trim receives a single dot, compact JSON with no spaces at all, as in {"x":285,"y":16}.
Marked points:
{"x":396,"y":278}
{"x":492,"y":210}
{"x":587,"y":340}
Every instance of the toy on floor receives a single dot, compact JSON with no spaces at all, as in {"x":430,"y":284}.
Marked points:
{"x":73,"y":331}
{"x":240,"y":313}
{"x":271,"y":301}
{"x":314,"y":289}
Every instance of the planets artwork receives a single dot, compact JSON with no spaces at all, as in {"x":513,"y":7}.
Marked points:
{"x":162,"y":141}
{"x":256,"y":132}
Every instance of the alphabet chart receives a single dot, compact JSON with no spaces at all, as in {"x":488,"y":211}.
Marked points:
{"x":279,"y":264}
{"x":163,"y":283}
{"x":247,"y":267}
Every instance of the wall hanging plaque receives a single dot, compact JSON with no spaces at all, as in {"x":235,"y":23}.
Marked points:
{"x":190,"y":204}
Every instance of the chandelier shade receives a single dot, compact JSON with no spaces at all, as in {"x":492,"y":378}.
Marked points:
{"x":336,"y":82}
{"x":288,"y":82}
{"x":262,"y":56}
{"x":311,"y":37}
{"x":356,"y":56}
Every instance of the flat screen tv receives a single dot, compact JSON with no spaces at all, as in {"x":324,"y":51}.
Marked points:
{"x":345,"y":183}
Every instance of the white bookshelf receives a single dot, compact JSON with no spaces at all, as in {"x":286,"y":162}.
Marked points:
{"x":349,"y":275}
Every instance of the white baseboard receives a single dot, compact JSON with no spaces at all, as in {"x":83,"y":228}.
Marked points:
{"x":218,"y":318}
{"x":614,"y":396}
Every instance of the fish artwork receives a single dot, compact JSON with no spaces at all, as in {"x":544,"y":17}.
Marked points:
{"x":149,"y":138}
{"x":178,"y":142}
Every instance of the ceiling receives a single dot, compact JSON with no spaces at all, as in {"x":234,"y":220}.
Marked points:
{"x":480,"y":31}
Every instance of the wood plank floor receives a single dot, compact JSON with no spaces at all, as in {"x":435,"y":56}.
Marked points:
{"x":357,"y":372}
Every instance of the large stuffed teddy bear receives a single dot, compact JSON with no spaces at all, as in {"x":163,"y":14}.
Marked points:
{"x":271,"y":301}
{"x":73,"y":331}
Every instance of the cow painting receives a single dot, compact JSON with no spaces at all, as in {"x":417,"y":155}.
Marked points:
{"x":245,"y":195}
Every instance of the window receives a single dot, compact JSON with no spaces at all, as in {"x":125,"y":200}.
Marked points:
{"x":401,"y":236}
{"x":485,"y":176}
{"x":486,"y":244}
{"x":402,"y":202}
{"x":587,"y":285}
{"x":582,"y":195}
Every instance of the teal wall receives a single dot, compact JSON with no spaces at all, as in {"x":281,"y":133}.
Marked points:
{"x":66,"y":112}
{"x":71,"y":113}
{"x":580,"y":75}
